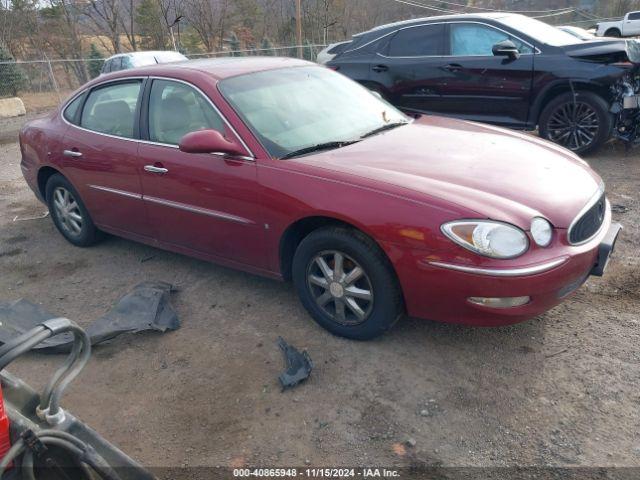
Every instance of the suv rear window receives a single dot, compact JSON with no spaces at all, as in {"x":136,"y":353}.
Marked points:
{"x":421,"y":41}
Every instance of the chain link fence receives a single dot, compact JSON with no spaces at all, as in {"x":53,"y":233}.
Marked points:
{"x":43,"y":84}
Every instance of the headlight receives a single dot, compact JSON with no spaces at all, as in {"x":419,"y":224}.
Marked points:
{"x":491,"y":239}
{"x":541,"y":231}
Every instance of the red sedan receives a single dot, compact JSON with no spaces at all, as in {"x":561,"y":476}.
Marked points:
{"x":290,"y":170}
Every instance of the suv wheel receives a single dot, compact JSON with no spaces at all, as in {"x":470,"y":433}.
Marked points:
{"x":346,"y":283}
{"x":69,"y":214}
{"x":580,"y":122}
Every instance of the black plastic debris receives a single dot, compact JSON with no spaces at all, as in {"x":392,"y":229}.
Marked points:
{"x":146,"y":307}
{"x":298,"y":365}
{"x":615,"y":208}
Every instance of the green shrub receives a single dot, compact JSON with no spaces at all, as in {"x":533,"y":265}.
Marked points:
{"x":12,"y":78}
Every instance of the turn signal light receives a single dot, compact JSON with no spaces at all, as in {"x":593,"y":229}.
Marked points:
{"x":505,"y":302}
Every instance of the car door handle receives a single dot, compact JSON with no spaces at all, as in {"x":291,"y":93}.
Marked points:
{"x":452,"y":67}
{"x":380,"y":68}
{"x":154,"y":169}
{"x":72,"y":153}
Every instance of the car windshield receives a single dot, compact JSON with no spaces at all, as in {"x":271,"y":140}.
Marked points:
{"x":539,"y":31}
{"x":298,"y":109}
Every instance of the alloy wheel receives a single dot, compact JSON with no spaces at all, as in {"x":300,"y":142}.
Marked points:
{"x":67,"y":211}
{"x":573,"y":125}
{"x":340,"y":287}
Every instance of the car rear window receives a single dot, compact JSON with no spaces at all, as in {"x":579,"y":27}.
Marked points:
{"x":420,"y":41}
{"x":341,"y":47}
{"x":71,"y":112}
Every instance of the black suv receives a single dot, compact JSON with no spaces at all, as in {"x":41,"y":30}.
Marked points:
{"x":504,"y":69}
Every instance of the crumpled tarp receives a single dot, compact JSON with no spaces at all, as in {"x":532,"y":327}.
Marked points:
{"x":146,"y":307}
{"x":298,"y":365}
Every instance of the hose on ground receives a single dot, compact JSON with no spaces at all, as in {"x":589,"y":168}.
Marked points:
{"x":80,"y":354}
{"x":84,"y":455}
{"x":79,"y":450}
{"x":66,"y":373}
{"x":14,"y":342}
{"x":23,"y":348}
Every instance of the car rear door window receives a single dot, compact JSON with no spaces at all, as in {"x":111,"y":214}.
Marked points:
{"x":116,"y":64}
{"x":634,"y":16}
{"x":420,"y":41}
{"x":475,"y":39}
{"x":176,"y":109}
{"x":126,"y":63}
{"x":112,"y":109}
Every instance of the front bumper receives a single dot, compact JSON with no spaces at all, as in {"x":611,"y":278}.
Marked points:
{"x":605,"y":250}
{"x":439,"y":291}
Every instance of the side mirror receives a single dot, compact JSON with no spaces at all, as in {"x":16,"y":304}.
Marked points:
{"x":506,"y":48}
{"x":209,"y":141}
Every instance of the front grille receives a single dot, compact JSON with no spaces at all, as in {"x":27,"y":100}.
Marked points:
{"x":587,"y":225}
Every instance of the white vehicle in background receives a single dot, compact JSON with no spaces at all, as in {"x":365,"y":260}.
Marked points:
{"x":331,"y":51}
{"x":124,"y":61}
{"x":577,"y":32}
{"x":629,"y":26}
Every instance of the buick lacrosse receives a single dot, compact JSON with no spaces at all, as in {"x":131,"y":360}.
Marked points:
{"x":287,"y":169}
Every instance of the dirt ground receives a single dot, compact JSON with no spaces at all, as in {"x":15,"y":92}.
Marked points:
{"x":558,"y":390}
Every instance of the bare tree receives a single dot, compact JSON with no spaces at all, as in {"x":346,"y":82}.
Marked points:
{"x":128,"y":23}
{"x":105,"y":17}
{"x":203,"y":17}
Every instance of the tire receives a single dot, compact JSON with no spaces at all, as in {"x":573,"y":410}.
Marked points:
{"x":69,"y":213}
{"x":585,"y":115}
{"x":385,"y":306}
{"x":613,"y":32}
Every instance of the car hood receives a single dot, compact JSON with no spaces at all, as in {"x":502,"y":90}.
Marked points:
{"x":490,"y":172}
{"x":605,"y":51}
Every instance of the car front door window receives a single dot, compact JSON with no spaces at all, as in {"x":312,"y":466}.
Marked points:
{"x":469,"y":39}
{"x":176,"y":109}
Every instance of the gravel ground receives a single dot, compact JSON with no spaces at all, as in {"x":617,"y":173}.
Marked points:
{"x":561,"y":389}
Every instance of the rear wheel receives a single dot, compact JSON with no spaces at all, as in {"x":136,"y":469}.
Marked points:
{"x":69,"y":214}
{"x":580,"y":122}
{"x":346,"y":283}
{"x":613,"y":32}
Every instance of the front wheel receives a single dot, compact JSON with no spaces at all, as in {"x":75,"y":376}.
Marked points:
{"x":346,"y":283}
{"x":580,"y":122}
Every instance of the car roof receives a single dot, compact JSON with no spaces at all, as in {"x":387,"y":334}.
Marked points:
{"x":463,"y":16}
{"x":144,"y":53}
{"x":218,"y":68}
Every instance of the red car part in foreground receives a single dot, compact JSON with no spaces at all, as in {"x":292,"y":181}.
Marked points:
{"x":290,"y":170}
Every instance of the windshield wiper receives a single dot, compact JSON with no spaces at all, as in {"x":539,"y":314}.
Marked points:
{"x":319,"y":147}
{"x":389,"y":126}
